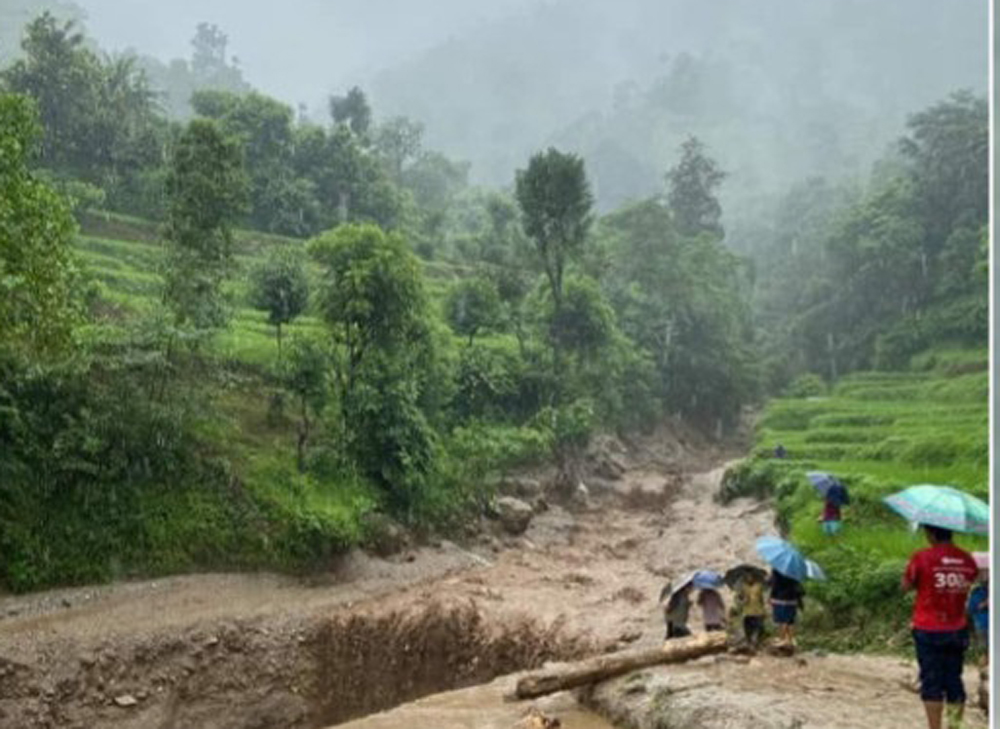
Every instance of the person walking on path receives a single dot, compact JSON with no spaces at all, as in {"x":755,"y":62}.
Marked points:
{"x":676,"y":613}
{"x":786,"y":601}
{"x":941,"y":575}
{"x":750,"y":598}
{"x":713,"y":609}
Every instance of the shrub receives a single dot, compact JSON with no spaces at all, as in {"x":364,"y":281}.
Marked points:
{"x":807,"y":385}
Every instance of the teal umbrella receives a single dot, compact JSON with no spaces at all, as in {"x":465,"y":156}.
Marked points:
{"x":942,"y":506}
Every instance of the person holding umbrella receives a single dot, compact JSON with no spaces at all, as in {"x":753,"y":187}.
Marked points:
{"x":677,"y":609}
{"x":678,"y":603}
{"x":713,"y":609}
{"x":941,"y":575}
{"x":835,"y":497}
{"x":787,"y":595}
{"x":788,"y":570}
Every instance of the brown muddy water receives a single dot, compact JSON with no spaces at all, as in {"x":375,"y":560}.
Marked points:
{"x":482,"y":707}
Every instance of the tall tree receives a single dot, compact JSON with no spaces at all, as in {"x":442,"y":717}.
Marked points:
{"x":473,"y":305}
{"x":208,"y":52}
{"x":691,"y":187}
{"x":375,"y":305}
{"x":279,"y":203}
{"x":305,"y":376}
{"x":352,"y":110}
{"x":64,"y":78}
{"x":207,"y":191}
{"x":99,"y":115}
{"x":279,"y":286}
{"x":556,"y":201}
{"x":38,"y":307}
{"x":398,"y":141}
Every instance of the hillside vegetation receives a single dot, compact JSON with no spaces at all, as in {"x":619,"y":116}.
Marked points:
{"x":879,"y":432}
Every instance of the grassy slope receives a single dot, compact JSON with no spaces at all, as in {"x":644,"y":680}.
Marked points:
{"x":268,"y":515}
{"x":250,"y":508}
{"x":879,"y":432}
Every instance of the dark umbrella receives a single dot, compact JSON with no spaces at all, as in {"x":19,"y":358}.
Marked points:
{"x":740,"y":572}
{"x":829,"y":487}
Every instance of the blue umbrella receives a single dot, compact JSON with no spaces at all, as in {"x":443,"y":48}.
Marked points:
{"x":707,"y":580}
{"x":700,"y":579}
{"x":829,"y":487}
{"x":783,"y":557}
{"x":814,"y":571}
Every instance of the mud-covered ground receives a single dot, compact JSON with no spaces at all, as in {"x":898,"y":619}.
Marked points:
{"x":262,"y":651}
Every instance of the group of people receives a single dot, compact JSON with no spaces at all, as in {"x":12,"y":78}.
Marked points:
{"x":754,"y":589}
{"x":950,"y":612}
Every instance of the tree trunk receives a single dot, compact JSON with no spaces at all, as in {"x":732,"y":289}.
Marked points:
{"x":303,"y":439}
{"x":601,"y":668}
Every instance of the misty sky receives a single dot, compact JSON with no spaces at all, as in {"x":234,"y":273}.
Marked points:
{"x":297,"y":50}
{"x":780,"y":90}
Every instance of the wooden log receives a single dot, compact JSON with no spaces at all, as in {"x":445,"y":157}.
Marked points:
{"x":601,"y":668}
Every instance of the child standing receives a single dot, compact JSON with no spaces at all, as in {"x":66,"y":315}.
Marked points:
{"x":786,"y":601}
{"x":751,"y":601}
{"x":713,"y":609}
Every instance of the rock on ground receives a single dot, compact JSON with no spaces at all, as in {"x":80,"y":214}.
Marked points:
{"x":514,"y":514}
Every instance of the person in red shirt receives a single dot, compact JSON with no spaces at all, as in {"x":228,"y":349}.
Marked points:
{"x":942,"y":576}
{"x":830,"y":517}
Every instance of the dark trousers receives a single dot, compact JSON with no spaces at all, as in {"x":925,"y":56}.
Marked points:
{"x":941,"y":656}
{"x":753,"y":628}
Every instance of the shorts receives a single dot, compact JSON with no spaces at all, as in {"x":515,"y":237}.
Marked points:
{"x":784,"y":614}
{"x":831,"y":527}
{"x":941,"y":656}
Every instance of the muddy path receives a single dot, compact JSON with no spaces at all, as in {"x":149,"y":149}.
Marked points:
{"x":261,"y":651}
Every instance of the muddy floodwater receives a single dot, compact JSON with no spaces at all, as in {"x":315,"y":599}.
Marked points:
{"x":482,"y":707}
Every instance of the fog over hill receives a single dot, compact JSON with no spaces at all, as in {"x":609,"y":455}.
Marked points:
{"x":780,"y":90}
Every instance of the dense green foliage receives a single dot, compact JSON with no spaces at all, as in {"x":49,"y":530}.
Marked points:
{"x":37,"y":309}
{"x":879,"y":433}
